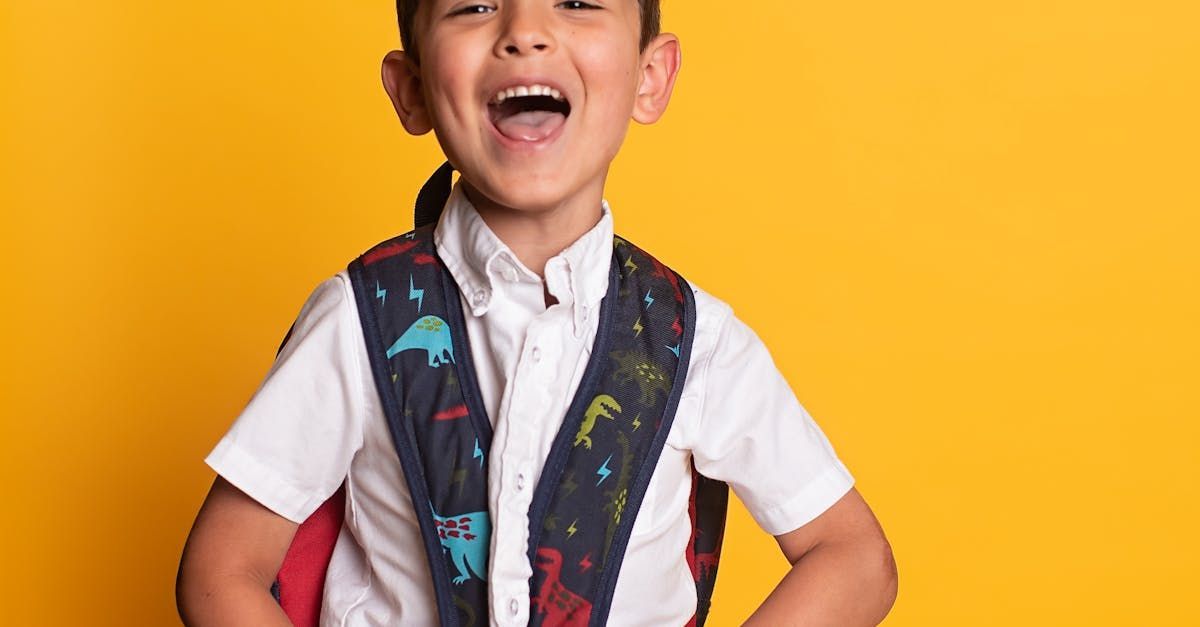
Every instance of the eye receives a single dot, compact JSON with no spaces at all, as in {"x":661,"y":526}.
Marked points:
{"x":575,"y":4}
{"x":474,"y":9}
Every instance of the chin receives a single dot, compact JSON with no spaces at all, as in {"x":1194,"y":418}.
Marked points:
{"x":533,"y":201}
{"x":526,"y":192}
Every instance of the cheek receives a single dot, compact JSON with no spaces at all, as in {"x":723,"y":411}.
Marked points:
{"x":450,"y":85}
{"x":610,"y":73}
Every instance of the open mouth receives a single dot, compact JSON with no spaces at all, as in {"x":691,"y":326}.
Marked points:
{"x":528,"y":113}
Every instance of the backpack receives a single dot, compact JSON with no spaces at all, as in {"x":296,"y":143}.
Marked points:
{"x":596,"y":473}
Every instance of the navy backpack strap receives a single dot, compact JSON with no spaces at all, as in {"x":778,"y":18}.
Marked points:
{"x":433,"y":196}
{"x":707,"y":507}
{"x":412,"y":323}
{"x":604,"y":456}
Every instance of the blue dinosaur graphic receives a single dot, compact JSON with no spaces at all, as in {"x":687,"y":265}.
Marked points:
{"x":467,"y":537}
{"x":430,"y":334}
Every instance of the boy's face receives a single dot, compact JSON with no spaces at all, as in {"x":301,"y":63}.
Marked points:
{"x":531,"y":153}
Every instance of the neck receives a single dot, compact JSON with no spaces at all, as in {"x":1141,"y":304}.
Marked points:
{"x":535,"y":236}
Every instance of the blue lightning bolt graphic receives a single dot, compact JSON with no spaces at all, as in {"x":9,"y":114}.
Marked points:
{"x":674,"y":349}
{"x":478,"y":453}
{"x":603,"y":470}
{"x":648,"y":299}
{"x":381,"y":294}
{"x":415,"y":294}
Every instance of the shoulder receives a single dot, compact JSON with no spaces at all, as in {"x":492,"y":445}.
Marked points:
{"x":728,"y":357}
{"x":332,"y":296}
{"x":712,"y":316}
{"x":712,"y":313}
{"x":327,"y":319}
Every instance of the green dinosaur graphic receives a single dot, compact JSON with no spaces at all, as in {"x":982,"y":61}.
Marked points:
{"x":459,"y":477}
{"x":635,"y":366}
{"x":568,"y":484}
{"x":467,"y":609}
{"x":615,"y":498}
{"x":600,"y":406}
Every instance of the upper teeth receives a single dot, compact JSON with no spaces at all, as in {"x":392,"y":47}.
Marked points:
{"x":526,"y":90}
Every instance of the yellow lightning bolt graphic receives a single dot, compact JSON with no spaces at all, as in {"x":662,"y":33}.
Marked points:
{"x":637,"y":327}
{"x":630,"y":264}
{"x":637,"y":422}
{"x":571,"y":530}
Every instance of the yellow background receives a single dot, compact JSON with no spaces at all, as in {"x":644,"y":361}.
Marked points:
{"x":966,"y":230}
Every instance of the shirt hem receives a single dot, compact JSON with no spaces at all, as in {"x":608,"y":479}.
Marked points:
{"x":813,"y":500}
{"x":261,"y":482}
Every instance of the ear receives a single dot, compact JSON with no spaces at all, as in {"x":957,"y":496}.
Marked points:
{"x":402,"y":80}
{"x":659,"y":67}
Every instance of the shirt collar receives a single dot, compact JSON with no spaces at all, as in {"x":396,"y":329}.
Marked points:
{"x":478,"y":259}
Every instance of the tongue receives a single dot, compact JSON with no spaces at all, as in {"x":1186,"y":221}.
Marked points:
{"x":530,"y":126}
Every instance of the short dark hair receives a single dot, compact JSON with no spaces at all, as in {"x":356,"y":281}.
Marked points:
{"x":406,"y":13}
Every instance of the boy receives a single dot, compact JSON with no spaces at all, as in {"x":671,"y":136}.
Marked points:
{"x":529,"y":100}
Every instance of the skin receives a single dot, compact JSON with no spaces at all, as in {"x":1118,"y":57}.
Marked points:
{"x":526,"y":196}
{"x":538,"y":200}
{"x":229,"y":561}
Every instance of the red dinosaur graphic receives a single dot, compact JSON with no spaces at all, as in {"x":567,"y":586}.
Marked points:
{"x":662,"y":272}
{"x":458,"y":411}
{"x":561,"y":606}
{"x":390,"y":250}
{"x":703,"y":564}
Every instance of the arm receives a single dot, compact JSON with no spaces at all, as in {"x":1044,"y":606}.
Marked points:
{"x":843,"y":572}
{"x":230,"y":559}
{"x":287,"y":452}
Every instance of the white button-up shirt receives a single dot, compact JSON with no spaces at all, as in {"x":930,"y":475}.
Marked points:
{"x":316,"y":422}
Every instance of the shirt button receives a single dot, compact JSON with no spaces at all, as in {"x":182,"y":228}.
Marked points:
{"x":478,"y":297}
{"x":513,"y":607}
{"x":521,"y":481}
{"x":536,"y":353}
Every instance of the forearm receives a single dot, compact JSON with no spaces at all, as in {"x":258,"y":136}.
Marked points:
{"x":229,"y":601}
{"x":230,"y":558}
{"x":846,"y":584}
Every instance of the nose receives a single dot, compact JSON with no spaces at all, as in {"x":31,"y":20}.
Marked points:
{"x":526,"y":30}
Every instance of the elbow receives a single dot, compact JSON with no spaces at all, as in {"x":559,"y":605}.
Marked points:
{"x":188,"y":591}
{"x":183,"y":585}
{"x":197,"y":583}
{"x":888,"y":579}
{"x":876,"y":580}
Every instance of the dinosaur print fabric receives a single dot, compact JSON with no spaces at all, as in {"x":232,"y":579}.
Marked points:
{"x":596,"y":474}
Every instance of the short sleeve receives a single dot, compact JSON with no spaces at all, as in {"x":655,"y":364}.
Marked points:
{"x":756,"y":436}
{"x":291,"y":447}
